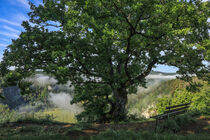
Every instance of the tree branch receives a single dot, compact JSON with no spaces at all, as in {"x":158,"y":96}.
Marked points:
{"x":151,"y":37}
{"x":124,"y":15}
{"x":86,"y":70}
{"x":128,"y":53}
{"x":142,"y":75}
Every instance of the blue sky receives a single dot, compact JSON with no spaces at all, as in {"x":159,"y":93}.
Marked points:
{"x":13,"y":12}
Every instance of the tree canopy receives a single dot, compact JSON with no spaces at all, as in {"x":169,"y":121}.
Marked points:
{"x":107,"y":48}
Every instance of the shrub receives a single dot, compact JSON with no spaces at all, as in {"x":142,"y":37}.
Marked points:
{"x":200,"y":100}
{"x":175,"y":125}
{"x":169,"y":126}
{"x":185,"y":119}
{"x":7,"y":115}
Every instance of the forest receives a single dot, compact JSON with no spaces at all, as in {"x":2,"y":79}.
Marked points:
{"x":85,"y":70}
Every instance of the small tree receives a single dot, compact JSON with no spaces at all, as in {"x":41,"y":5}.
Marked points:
{"x":107,"y":48}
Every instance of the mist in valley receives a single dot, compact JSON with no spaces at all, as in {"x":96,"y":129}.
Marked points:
{"x":142,"y":103}
{"x":60,"y":96}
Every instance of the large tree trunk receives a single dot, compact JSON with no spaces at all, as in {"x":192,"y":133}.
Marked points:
{"x":119,"y":112}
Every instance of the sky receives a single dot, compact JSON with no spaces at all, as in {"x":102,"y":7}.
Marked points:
{"x":13,"y":12}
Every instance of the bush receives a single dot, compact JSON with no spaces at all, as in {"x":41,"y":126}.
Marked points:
{"x":169,"y":126}
{"x":185,"y":119}
{"x":200,"y":100}
{"x":7,"y":115}
{"x":175,"y":125}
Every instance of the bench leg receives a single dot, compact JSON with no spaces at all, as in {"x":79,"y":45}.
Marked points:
{"x":156,"y":123}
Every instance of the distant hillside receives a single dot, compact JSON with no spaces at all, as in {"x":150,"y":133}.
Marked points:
{"x":163,"y":73}
{"x":145,"y":99}
{"x":168,"y":87}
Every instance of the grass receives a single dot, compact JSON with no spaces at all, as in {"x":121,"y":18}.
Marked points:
{"x":65,"y":116}
{"x":32,"y":134}
{"x":55,"y":115}
{"x":41,"y":137}
{"x":40,"y":130}
{"x":131,"y":135}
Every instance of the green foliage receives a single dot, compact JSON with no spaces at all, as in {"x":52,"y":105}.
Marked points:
{"x":25,"y":88}
{"x":12,"y":78}
{"x":162,"y":103}
{"x":97,"y":104}
{"x":111,"y":44}
{"x":200,"y":100}
{"x":185,"y":119}
{"x":1,"y":97}
{"x":36,"y":94}
{"x":7,"y":115}
{"x":179,"y":97}
{"x":169,"y":125}
{"x":175,"y":125}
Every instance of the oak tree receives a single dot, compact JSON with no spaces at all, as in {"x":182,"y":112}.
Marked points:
{"x":106,"y":48}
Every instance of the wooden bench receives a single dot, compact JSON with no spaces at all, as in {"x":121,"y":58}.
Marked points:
{"x":171,"y":111}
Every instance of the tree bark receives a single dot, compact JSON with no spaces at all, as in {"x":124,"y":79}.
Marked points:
{"x":120,"y":100}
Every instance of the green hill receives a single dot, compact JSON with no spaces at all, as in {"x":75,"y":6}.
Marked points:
{"x":144,"y":102}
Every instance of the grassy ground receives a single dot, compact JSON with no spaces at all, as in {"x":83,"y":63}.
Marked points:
{"x":60,"y":115}
{"x":45,"y":129}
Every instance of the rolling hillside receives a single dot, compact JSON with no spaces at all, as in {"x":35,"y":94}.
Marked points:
{"x":144,"y":102}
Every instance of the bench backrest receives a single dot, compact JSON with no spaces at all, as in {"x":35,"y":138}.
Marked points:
{"x":175,"y":106}
{"x":172,"y":111}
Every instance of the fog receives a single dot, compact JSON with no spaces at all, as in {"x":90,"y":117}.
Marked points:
{"x":58,"y":99}
{"x":41,"y":80}
{"x":161,"y":76}
{"x":62,"y":100}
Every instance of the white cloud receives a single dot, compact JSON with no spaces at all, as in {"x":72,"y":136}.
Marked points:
{"x":21,"y":17}
{"x":10,"y":29}
{"x":3,"y":45}
{"x":24,"y":3}
{"x":13,"y":35}
{"x":10,"y":22}
{"x":5,"y":40}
